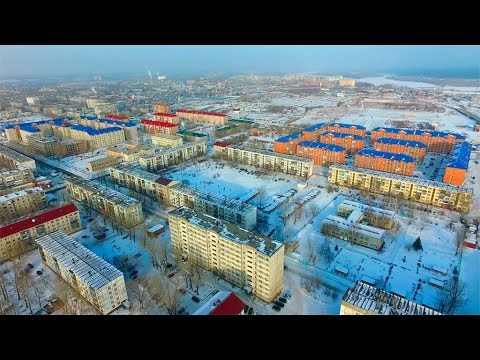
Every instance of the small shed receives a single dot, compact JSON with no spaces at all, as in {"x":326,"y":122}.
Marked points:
{"x":341,"y":270}
{"x":155,"y":230}
{"x":437,"y":283}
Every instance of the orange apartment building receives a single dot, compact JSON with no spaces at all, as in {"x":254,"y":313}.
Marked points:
{"x":385,"y":161}
{"x":322,"y":154}
{"x":203,"y":116}
{"x":351,"y":142}
{"x":161,"y":108}
{"x":287,"y":144}
{"x":312,"y":133}
{"x":116,"y":117}
{"x":158,"y":127}
{"x":436,"y":141}
{"x":166,"y":117}
{"x":457,"y":167}
{"x":415,"y":149}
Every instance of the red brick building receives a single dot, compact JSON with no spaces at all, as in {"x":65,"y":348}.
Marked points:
{"x":351,"y":142}
{"x":287,"y":144}
{"x":322,"y":154}
{"x":457,"y":167}
{"x":384,"y":161}
{"x":161,"y":108}
{"x":166,"y":117}
{"x":415,"y":149}
{"x":436,"y":141}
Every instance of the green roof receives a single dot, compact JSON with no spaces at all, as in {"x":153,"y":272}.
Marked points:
{"x":242,"y":121}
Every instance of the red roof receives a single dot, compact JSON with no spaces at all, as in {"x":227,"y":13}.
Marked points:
{"x":164,"y":114}
{"x":116,"y":117}
{"x":221,"y":143}
{"x":157,"y":123}
{"x":200,"y":112}
{"x":231,"y":305}
{"x":36,"y":220}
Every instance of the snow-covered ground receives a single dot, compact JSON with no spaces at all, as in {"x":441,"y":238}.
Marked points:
{"x":383,"y":80}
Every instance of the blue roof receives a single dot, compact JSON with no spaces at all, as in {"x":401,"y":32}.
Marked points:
{"x":29,"y":128}
{"x":348,"y":126}
{"x":386,"y":155}
{"x":460,"y":156}
{"x":289,"y":137}
{"x":91,"y":131}
{"x":417,"y":144}
{"x":420,"y":132}
{"x":314,"y":127}
{"x":319,"y":145}
{"x":342,"y":135}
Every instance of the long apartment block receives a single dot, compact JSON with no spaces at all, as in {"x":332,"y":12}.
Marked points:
{"x":246,"y":259}
{"x":262,"y":159}
{"x":19,"y":236}
{"x":13,"y":178}
{"x":322,"y":154}
{"x":176,"y":194}
{"x":12,"y":159}
{"x":173,"y":156}
{"x":457,"y":167}
{"x":351,"y":142}
{"x":96,"y":280}
{"x":436,"y":141}
{"x":409,"y":188}
{"x":122,"y":209}
{"x":21,"y":203}
{"x":366,"y":299}
{"x":411,"y":148}
{"x":203,"y":116}
{"x":143,"y":182}
{"x":234,"y":211}
{"x":384,"y":161}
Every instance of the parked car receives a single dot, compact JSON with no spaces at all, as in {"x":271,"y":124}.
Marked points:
{"x":283,"y":300}
{"x":276,"y":308}
{"x":279,"y":304}
{"x":195,"y":299}
{"x":181,"y":311}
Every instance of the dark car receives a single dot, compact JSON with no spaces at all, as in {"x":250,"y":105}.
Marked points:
{"x":133,"y":273}
{"x":181,"y":311}
{"x":196,"y":299}
{"x":84,"y":236}
{"x":39,"y":272}
{"x":276,"y":308}
{"x":279,"y":304}
{"x":30,"y":266}
{"x":283,"y":300}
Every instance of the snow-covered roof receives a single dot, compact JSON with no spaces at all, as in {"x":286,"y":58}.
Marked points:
{"x":135,"y":171}
{"x":352,"y":205}
{"x":155,"y":228}
{"x":271,"y":153}
{"x":409,"y":179}
{"x":80,"y":261}
{"x":381,"y":302}
{"x":419,"y":132}
{"x":20,"y":193}
{"x":351,"y":225}
{"x":13,"y":155}
{"x":229,"y":230}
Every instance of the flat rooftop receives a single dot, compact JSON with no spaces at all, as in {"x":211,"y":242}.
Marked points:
{"x":351,"y":224}
{"x":356,"y":205}
{"x":13,"y":155}
{"x":80,"y":261}
{"x":214,"y":198}
{"x":423,"y":182}
{"x":271,"y":153}
{"x":137,"y":172}
{"x":20,"y":193}
{"x":229,"y":231}
{"x":370,"y":298}
{"x":174,"y":149}
{"x":108,"y":194}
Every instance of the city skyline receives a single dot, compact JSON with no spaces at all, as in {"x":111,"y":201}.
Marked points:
{"x":173,"y":60}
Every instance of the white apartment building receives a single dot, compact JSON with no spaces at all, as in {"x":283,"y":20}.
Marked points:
{"x":246,"y":259}
{"x":122,"y":209}
{"x":11,"y":179}
{"x":96,"y":280}
{"x":21,"y":203}
{"x":173,"y":156}
{"x":236,"y":212}
{"x":267,"y":160}
{"x":12,"y":159}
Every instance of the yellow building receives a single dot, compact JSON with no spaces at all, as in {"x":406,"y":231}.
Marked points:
{"x":18,"y":237}
{"x":21,"y":203}
{"x":124,"y":210}
{"x":374,"y":216}
{"x":248,"y":260}
{"x":428,"y":192}
{"x":129,"y":153}
{"x":203,"y":116}
{"x":95,"y":279}
{"x":13,"y":178}
{"x":267,"y":160}
{"x":97,"y":138}
{"x":346,"y":82}
{"x":167,"y":140}
{"x":12,"y":159}
{"x":102,"y":163}
{"x":366,"y":299}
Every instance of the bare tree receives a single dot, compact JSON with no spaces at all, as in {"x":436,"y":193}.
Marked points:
{"x":326,"y":251}
{"x":3,"y":287}
{"x":138,"y":290}
{"x":422,"y":217}
{"x":453,"y":296}
{"x":39,"y":286}
{"x":261,"y":192}
{"x":311,"y":250}
{"x":460,"y":237}
{"x":312,"y":209}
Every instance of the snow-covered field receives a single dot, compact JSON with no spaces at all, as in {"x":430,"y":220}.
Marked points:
{"x":383,"y":80}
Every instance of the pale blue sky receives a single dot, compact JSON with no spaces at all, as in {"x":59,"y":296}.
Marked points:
{"x":45,"y":60}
